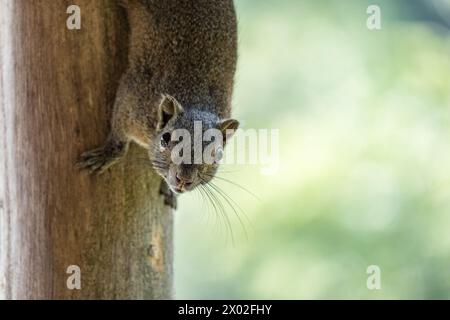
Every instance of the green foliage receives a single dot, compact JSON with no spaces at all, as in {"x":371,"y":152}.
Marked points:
{"x":365,"y":161}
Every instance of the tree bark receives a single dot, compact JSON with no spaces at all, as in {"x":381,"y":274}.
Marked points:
{"x":57,"y":89}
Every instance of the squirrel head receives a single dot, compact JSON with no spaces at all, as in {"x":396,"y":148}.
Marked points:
{"x":189,"y":144}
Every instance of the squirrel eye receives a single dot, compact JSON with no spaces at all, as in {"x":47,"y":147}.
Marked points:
{"x":165,"y":139}
{"x":219,"y":154}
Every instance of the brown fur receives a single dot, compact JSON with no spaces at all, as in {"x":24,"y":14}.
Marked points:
{"x":183,"y":48}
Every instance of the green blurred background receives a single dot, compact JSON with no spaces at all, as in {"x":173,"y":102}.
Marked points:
{"x":364,"y":176}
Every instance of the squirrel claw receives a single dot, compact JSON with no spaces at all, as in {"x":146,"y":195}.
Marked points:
{"x":170,"y":199}
{"x":95,"y":162}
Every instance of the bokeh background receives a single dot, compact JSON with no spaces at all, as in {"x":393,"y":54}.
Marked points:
{"x":364,"y":179}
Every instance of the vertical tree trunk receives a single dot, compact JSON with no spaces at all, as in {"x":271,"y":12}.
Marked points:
{"x":57,"y":89}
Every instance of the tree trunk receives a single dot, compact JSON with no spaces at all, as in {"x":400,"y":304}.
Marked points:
{"x":57,"y":88}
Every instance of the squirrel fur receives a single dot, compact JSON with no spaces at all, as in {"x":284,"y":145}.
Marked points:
{"x":181,"y":67}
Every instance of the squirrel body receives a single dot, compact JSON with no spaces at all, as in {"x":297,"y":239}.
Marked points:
{"x":181,"y":66}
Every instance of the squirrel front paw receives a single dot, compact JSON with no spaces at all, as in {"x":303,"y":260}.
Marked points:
{"x":170,"y":199}
{"x":97,"y":161}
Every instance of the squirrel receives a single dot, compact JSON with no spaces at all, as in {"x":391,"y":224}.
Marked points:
{"x":181,"y":66}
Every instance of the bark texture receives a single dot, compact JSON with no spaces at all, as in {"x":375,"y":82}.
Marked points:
{"x":57,"y":89}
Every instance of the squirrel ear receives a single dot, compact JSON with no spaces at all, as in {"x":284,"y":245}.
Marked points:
{"x":169,"y":107}
{"x":228,"y":128}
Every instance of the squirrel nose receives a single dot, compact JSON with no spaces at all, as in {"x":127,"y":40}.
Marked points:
{"x":183,"y":181}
